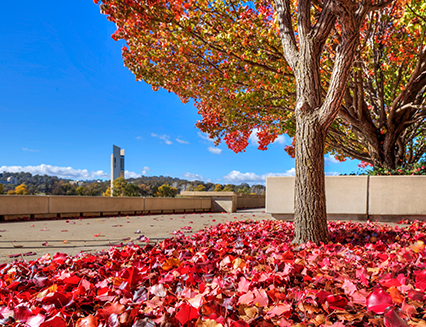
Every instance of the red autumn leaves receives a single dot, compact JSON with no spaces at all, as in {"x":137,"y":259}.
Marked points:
{"x":235,"y":275}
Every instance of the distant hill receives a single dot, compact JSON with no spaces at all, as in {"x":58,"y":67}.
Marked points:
{"x":148,"y":185}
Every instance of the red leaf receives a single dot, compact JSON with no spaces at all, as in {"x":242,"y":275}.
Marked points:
{"x":54,"y":322}
{"x":408,"y":309}
{"x":392,"y":319}
{"x":22,"y":313}
{"x":109,"y":309}
{"x":56,"y":298}
{"x":415,"y":295}
{"x":421,"y":281}
{"x":336,"y":301}
{"x":186,"y":313}
{"x":60,"y":258}
{"x":288,"y":257}
{"x":322,"y":296}
{"x":240,"y":323}
{"x":378,"y":301}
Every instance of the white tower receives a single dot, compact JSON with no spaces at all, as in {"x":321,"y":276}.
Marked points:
{"x":117,"y":164}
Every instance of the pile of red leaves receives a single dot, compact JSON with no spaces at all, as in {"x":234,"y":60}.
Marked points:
{"x":235,"y":274}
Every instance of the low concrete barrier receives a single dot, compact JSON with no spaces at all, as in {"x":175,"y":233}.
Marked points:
{"x":15,"y":206}
{"x":385,"y":198}
{"x":23,"y":204}
{"x":229,"y":201}
{"x":67,"y":204}
{"x":177,"y":204}
{"x":397,"y":196}
{"x":250,"y":201}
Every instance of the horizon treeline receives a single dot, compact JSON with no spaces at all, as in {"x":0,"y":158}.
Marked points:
{"x":145,"y":185}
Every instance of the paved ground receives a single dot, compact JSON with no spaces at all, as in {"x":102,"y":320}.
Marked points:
{"x":32,"y":239}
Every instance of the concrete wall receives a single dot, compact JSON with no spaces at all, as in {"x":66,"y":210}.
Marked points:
{"x":23,"y":204}
{"x":66,"y":204}
{"x":355,"y":197}
{"x":14,"y":206}
{"x":397,"y":195}
{"x":177,"y":204}
{"x":250,"y":201}
{"x":229,"y":201}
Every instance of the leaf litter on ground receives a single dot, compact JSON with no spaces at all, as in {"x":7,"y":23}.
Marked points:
{"x":232,"y":274}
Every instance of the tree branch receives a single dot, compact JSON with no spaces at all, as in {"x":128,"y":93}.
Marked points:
{"x":287,"y":35}
{"x":304,"y":18}
{"x":325,"y":23}
{"x":345,"y":53}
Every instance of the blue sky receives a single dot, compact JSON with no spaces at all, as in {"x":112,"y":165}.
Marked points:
{"x":66,"y":98}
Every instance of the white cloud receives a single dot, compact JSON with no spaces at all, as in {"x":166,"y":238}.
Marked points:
{"x":280,"y":140}
{"x":205,"y":137}
{"x":181,"y":141}
{"x":254,"y":139}
{"x":236,"y":177}
{"x":193,"y":177}
{"x":330,"y":159}
{"x":131,"y":174}
{"x":63,"y":172}
{"x":163,"y":137}
{"x":331,"y":173}
{"x":29,"y":150}
{"x":214,"y":150}
{"x":145,"y":170}
{"x":139,"y":138}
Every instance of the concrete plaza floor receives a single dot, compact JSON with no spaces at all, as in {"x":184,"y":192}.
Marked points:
{"x":32,"y":239}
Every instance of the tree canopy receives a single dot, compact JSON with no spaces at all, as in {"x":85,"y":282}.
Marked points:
{"x":228,"y":57}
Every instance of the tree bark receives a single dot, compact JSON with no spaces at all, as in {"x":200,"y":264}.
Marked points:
{"x":310,"y":217}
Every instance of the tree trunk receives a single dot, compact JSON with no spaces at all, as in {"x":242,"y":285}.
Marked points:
{"x":310,"y":216}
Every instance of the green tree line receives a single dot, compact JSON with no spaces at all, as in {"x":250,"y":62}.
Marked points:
{"x":148,"y":186}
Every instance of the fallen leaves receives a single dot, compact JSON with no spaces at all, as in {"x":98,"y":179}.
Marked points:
{"x":234,"y":274}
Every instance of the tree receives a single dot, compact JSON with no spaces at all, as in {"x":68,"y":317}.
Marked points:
{"x":131,"y":190}
{"x":107,"y":192}
{"x":1,"y":188}
{"x":21,"y":189}
{"x":80,"y":190}
{"x":228,"y":188}
{"x":382,"y":119}
{"x":218,"y":188}
{"x":119,"y":186}
{"x":244,"y":190}
{"x":145,"y":190}
{"x":166,"y":191}
{"x":200,"y":188}
{"x":253,"y":68}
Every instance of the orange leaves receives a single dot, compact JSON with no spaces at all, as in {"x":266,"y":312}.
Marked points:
{"x":396,"y":295}
{"x":418,"y":246}
{"x":171,"y":263}
{"x":89,"y":321}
